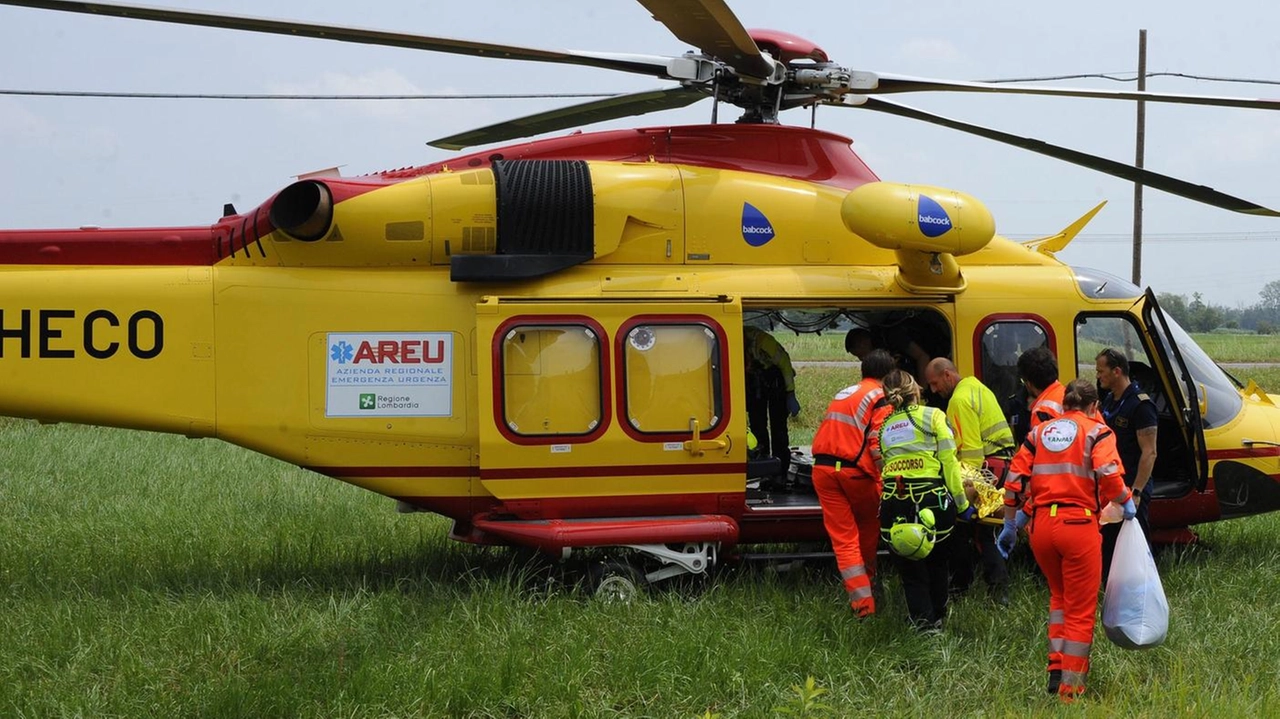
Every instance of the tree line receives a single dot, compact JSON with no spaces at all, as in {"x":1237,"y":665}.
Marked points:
{"x":1196,"y":315}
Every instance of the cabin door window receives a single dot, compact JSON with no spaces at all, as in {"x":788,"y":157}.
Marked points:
{"x":1000,"y":343}
{"x":671,"y":377}
{"x":551,"y":380}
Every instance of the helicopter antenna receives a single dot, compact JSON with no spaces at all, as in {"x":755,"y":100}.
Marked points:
{"x":715,"y":97}
{"x":813,"y":116}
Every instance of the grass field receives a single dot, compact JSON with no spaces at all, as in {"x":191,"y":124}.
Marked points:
{"x":147,"y":575}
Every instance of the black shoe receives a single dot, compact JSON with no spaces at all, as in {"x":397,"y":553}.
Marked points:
{"x":1055,"y":679}
{"x":928,"y":628}
{"x":1000,"y":595}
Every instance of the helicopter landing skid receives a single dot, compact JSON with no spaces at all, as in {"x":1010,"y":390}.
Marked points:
{"x":692,"y":558}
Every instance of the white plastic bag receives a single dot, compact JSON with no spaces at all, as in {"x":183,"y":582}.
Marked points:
{"x":1135,"y":613}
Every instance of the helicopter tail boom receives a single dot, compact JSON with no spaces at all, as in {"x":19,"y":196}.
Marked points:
{"x":118,"y":346}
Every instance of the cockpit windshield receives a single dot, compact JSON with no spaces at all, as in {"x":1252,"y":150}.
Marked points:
{"x":1223,"y":400}
{"x":1099,"y":285}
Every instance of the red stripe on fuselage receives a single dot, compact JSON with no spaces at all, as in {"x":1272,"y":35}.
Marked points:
{"x":533,"y":472}
{"x":129,"y":246}
{"x":157,"y":246}
{"x":796,"y":152}
{"x":397,"y":471}
{"x":679,"y":470}
{"x":1244,"y":453}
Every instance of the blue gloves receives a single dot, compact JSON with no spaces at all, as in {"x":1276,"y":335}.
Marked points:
{"x":1130,"y":509}
{"x":793,"y":404}
{"x":1009,"y":535}
{"x":969,"y":514}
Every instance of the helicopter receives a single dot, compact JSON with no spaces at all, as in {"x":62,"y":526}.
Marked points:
{"x":542,"y":341}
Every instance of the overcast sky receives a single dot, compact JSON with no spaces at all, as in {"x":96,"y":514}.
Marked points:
{"x":115,"y":162}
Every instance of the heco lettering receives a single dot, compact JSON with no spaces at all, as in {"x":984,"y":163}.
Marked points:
{"x":396,"y":352}
{"x":143,"y":334}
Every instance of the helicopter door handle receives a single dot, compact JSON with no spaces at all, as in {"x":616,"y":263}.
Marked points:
{"x":698,"y":446}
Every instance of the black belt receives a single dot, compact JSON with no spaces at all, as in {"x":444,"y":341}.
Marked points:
{"x":830,"y":460}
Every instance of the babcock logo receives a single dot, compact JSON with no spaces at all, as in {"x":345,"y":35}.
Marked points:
{"x":756,"y":228}
{"x":933,"y":219}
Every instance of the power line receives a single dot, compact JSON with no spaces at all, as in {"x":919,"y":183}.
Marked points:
{"x":1166,"y":238}
{"x":278,"y":96}
{"x":1133,"y":77}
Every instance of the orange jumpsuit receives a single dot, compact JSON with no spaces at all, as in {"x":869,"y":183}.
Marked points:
{"x":1069,"y":469}
{"x":846,"y":478}
{"x":1048,"y":405}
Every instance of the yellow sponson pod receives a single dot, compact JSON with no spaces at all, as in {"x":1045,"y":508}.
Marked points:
{"x":918,"y":217}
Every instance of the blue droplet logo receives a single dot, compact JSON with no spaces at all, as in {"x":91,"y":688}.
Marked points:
{"x":756,"y":228}
{"x":933,"y":220}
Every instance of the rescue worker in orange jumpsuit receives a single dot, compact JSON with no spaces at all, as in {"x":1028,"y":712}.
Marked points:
{"x":1038,"y":370}
{"x":846,"y":478}
{"x":1068,"y":468}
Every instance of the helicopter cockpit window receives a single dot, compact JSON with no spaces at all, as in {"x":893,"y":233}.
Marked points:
{"x":551,"y":380}
{"x":1095,"y":333}
{"x":1222,"y":401}
{"x":671,"y":376}
{"x":1002,"y":343}
{"x":1096,"y":284}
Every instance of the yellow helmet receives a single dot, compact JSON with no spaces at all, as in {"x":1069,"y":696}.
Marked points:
{"x":911,"y":540}
{"x":926,"y":517}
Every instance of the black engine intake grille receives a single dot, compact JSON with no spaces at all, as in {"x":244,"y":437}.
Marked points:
{"x":546,"y":222}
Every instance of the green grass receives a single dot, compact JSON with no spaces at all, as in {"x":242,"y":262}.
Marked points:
{"x":148,"y":575}
{"x":1240,"y":348}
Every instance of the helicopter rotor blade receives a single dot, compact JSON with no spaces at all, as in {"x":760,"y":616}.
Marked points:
{"x":711,"y":26}
{"x":610,"y":108}
{"x":903,"y":83}
{"x":1172,"y":185}
{"x":654,"y":65}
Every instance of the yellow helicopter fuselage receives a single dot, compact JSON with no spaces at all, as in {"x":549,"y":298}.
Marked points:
{"x":556,"y":340}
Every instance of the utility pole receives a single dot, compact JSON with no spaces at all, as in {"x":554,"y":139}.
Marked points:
{"x":1138,"y":159}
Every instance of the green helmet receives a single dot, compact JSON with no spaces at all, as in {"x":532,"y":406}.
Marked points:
{"x":911,"y":540}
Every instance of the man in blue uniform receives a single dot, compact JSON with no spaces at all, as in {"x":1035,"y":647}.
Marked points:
{"x":1131,"y":415}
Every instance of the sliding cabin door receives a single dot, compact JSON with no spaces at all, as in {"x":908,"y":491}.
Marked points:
{"x":612,"y":409}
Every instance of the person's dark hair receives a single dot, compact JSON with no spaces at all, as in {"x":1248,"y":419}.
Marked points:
{"x":1038,"y":366}
{"x":1115,"y":359}
{"x":1080,"y":394}
{"x":877,"y":364}
{"x":852,"y":335}
{"x":901,"y":389}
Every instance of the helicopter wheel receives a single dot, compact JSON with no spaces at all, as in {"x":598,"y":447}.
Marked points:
{"x":614,"y":582}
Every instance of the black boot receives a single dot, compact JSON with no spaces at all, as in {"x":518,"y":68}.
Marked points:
{"x":1055,"y":678}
